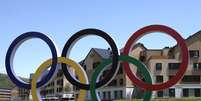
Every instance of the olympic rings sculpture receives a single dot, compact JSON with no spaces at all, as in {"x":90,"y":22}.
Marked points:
{"x":83,"y":83}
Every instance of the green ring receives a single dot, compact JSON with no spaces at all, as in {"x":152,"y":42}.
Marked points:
{"x":142,"y":68}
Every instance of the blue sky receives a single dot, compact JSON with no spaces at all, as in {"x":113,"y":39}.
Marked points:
{"x":59,"y":19}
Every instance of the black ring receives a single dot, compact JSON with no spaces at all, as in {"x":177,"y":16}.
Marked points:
{"x":73,"y":40}
{"x":11,"y":51}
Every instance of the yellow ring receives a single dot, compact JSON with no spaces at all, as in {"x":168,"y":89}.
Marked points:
{"x":78,"y":70}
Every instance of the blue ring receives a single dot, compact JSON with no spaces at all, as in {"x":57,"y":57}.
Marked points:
{"x":10,"y":54}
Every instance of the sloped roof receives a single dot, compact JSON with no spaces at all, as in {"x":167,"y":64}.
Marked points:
{"x":135,"y":46}
{"x":104,"y":53}
{"x":81,"y":62}
{"x":191,"y":37}
{"x":197,"y":34}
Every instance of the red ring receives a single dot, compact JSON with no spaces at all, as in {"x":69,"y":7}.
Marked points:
{"x":182,"y":67}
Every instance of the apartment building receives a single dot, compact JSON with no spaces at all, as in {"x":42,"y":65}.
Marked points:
{"x":12,"y":94}
{"x":23,"y":94}
{"x":5,"y":94}
{"x":58,"y":89}
{"x":164,"y":64}
{"x":119,"y":88}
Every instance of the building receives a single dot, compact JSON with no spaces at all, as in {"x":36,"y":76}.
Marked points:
{"x":119,"y":88}
{"x":19,"y":94}
{"x":13,"y":94}
{"x":5,"y":94}
{"x":57,"y":89}
{"x":23,"y":94}
{"x":9,"y":91}
{"x":164,"y":64}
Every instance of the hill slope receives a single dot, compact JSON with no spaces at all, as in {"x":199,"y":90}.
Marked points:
{"x":5,"y":81}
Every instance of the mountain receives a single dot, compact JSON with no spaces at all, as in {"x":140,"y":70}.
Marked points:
{"x":6,"y":83}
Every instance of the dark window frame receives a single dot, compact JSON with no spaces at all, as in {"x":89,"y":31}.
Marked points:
{"x":95,"y":64}
{"x":173,"y":66}
{"x":113,"y":83}
{"x":194,"y":53}
{"x":160,"y":94}
{"x":171,"y":92}
{"x":121,"y":82}
{"x":197,"y":92}
{"x":159,"y":78}
{"x":189,"y":78}
{"x":158,"y":66}
{"x":196,"y":66}
{"x":185,"y":92}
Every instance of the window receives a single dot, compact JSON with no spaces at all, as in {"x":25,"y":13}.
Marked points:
{"x":104,"y":95}
{"x":121,"y":94}
{"x":159,"y":79}
{"x":120,"y":69}
{"x":60,"y":82}
{"x":60,"y":73}
{"x":118,"y":94}
{"x":113,"y":83}
{"x":171,"y":76}
{"x":171,"y":92}
{"x":51,"y":91}
{"x":85,"y":67}
{"x":160,"y":93}
{"x":197,"y":92}
{"x":194,"y":53}
{"x":196,"y":66}
{"x":158,"y":66}
{"x":191,"y":78}
{"x":173,"y":66}
{"x":115,"y":94}
{"x":185,"y":92}
{"x":109,"y":95}
{"x":95,"y":64}
{"x":142,"y":56}
{"x":59,"y":90}
{"x":121,"y":82}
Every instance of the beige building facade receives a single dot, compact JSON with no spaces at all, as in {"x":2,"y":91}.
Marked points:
{"x":58,"y":89}
{"x":119,"y":88}
{"x":163,"y":64}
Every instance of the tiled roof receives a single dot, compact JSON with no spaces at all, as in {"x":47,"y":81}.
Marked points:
{"x":81,"y":62}
{"x":104,"y":53}
{"x":191,"y":37}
